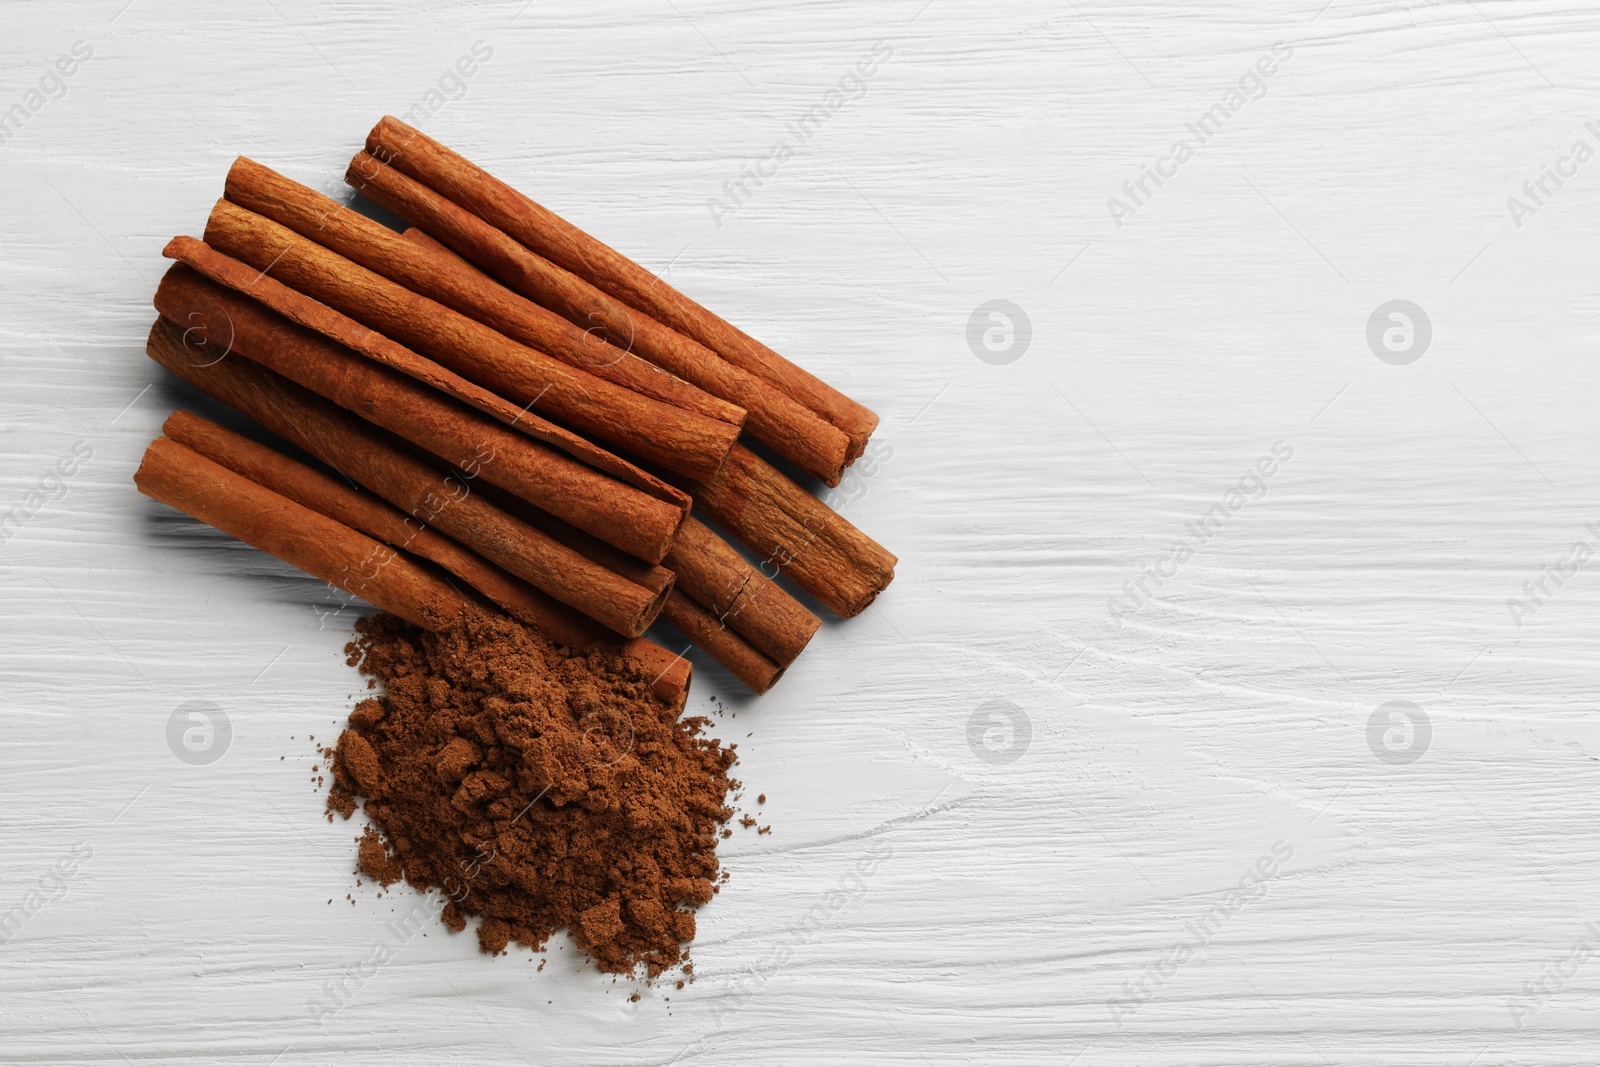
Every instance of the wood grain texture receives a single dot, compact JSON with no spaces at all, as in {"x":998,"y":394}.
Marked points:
{"x":1006,"y":903}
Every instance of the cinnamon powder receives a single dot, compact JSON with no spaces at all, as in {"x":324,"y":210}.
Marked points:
{"x":536,"y":787}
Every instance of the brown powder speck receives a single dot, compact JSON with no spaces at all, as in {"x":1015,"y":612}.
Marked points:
{"x":340,"y":801}
{"x":357,"y":759}
{"x":537,"y":787}
{"x":367,"y":714}
{"x":375,"y":861}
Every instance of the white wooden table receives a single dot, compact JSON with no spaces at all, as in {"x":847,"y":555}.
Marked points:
{"x":1014,"y":803}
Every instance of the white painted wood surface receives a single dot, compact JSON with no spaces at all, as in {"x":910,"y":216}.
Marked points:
{"x":1043,"y":910}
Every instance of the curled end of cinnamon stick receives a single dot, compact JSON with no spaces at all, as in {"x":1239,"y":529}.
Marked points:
{"x":670,"y":674}
{"x":744,"y":660}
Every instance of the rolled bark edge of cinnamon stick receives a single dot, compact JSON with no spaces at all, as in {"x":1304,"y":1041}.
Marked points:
{"x":717,"y":577}
{"x":797,"y":535}
{"x":670,"y":673}
{"x":746,"y":662}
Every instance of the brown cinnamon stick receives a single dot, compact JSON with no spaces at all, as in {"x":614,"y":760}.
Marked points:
{"x":592,"y":500}
{"x":703,"y":627}
{"x":651,"y":576}
{"x":314,"y":315}
{"x":769,"y":627}
{"x":679,"y":440}
{"x":419,"y":236}
{"x":318,"y":545}
{"x":361,"y":511}
{"x":546,"y":233}
{"x":775,"y":419}
{"x":739,"y":596}
{"x":376,"y":247}
{"x":796,"y":534}
{"x":377,"y":461}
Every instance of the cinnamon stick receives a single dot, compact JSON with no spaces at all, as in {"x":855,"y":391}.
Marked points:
{"x":651,"y":576}
{"x":739,"y":596}
{"x":318,"y":545}
{"x":546,"y":233}
{"x":614,"y":511}
{"x":419,"y":236}
{"x":301,"y":309}
{"x":361,"y":511}
{"x":670,"y":673}
{"x":679,"y":440}
{"x":378,"y":462}
{"x":703,"y":627}
{"x":374,"y":246}
{"x":775,"y":419}
{"x":769,"y":628}
{"x":796,"y":534}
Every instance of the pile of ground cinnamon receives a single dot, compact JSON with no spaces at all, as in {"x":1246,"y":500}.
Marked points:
{"x":536,"y":787}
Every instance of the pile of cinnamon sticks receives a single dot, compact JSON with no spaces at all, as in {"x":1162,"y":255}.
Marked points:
{"x":511,"y":415}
